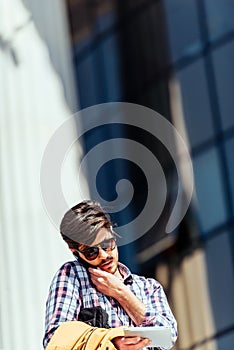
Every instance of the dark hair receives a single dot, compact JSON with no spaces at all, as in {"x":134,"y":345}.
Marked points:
{"x":82,"y":222}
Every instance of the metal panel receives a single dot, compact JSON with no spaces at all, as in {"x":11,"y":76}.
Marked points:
{"x":34,"y":101}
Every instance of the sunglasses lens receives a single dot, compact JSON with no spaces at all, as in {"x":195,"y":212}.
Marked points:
{"x":91,"y":253}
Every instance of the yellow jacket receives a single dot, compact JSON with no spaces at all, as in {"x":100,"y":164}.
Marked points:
{"x":76,"y":335}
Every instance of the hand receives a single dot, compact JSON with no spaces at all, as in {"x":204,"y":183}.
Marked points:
{"x":110,"y":285}
{"x":106,"y":282}
{"x":130,"y":343}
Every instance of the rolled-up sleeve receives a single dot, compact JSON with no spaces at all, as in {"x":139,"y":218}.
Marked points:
{"x":158,"y":312}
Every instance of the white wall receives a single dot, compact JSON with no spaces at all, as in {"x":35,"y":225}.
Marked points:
{"x":33,"y":103}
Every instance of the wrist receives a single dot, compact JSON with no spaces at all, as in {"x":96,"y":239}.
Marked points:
{"x":121,"y":292}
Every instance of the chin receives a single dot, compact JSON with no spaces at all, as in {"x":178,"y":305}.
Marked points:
{"x":111,"y":269}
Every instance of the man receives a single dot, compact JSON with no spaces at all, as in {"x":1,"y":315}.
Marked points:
{"x":96,"y":278}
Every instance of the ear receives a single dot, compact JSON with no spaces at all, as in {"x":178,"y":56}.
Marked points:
{"x":74,"y":252}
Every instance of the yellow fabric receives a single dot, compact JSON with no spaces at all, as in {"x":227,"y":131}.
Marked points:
{"x":76,"y":335}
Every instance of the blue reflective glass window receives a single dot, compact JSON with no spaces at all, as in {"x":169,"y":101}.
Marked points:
{"x":111,"y":68}
{"x":195,"y":102}
{"x":88,"y":89}
{"x":209,"y":190}
{"x":223,"y":63}
{"x":105,"y":21}
{"x":221,"y":281}
{"x":98,"y":74}
{"x":229,"y":146}
{"x":226,"y":341}
{"x":182,"y":27}
{"x":219,"y":17}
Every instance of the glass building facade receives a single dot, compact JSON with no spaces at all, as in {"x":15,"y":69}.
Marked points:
{"x":165,"y":54}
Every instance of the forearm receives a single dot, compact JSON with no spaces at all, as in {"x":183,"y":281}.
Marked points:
{"x":151,"y":309}
{"x":131,"y":304}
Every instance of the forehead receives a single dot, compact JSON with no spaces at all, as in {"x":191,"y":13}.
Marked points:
{"x":102,"y":235}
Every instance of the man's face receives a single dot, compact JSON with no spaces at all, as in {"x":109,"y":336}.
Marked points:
{"x":106,"y":260}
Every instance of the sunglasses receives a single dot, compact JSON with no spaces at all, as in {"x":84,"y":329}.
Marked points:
{"x":92,"y":253}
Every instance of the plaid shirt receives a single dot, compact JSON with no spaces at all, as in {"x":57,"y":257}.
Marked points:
{"x":71,"y":289}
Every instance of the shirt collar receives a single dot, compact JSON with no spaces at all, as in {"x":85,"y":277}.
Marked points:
{"x":126,"y":273}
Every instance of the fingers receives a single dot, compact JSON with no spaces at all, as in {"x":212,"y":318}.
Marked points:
{"x":131,"y":343}
{"x":131,"y":340}
{"x":136,"y":344}
{"x":98,"y":281}
{"x":95,"y":277}
{"x":105,"y":282}
{"x":97,"y":272}
{"x":100,"y":277}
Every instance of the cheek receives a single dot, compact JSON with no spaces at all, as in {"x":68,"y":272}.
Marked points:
{"x":115,"y":254}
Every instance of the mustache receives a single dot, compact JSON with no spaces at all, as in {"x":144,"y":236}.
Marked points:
{"x":105,"y":261}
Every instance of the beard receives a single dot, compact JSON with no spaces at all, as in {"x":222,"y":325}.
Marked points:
{"x":113,"y":268}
